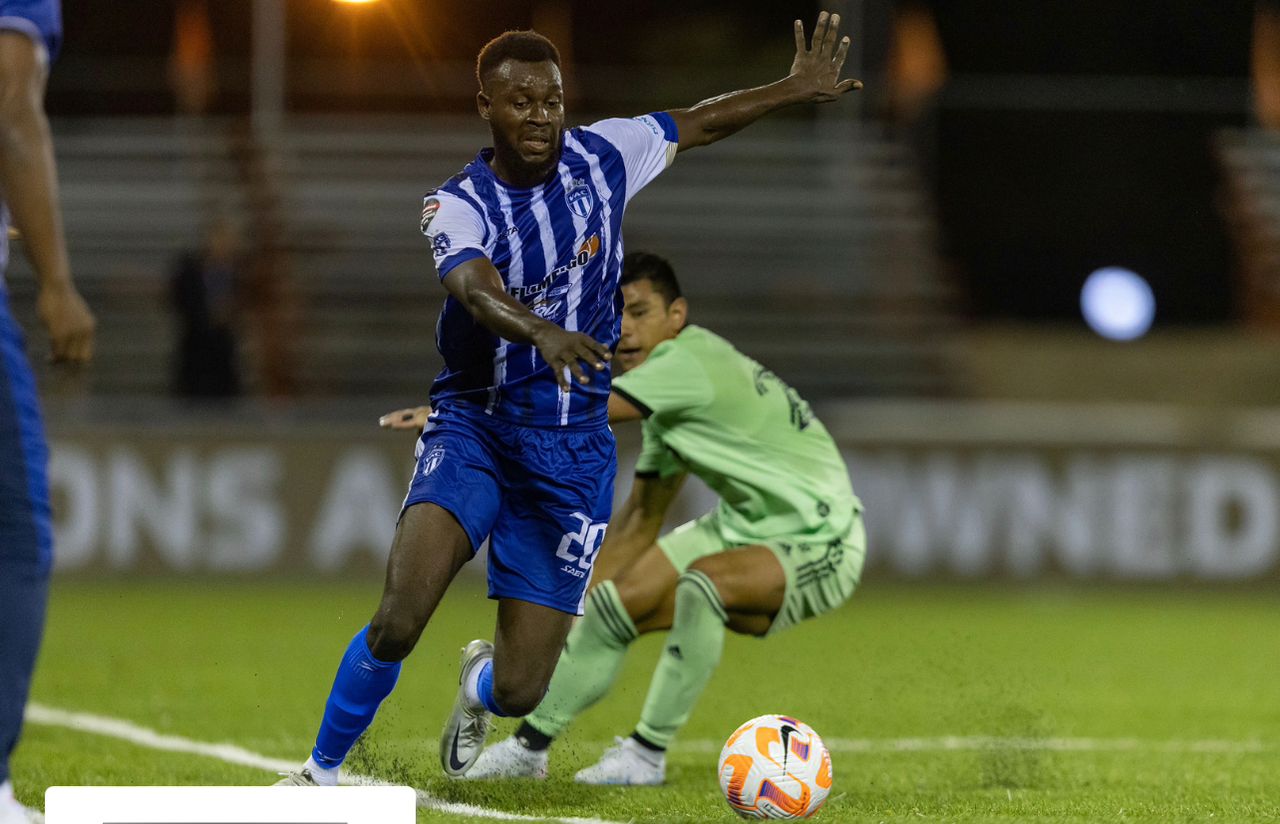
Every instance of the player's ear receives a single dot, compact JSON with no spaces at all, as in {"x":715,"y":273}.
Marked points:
{"x":678,"y":312}
{"x":483,"y":104}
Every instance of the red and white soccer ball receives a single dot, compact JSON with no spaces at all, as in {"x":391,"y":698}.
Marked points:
{"x":775,"y":767}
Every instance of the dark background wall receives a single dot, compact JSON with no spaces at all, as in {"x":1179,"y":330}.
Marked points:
{"x":1068,"y":136}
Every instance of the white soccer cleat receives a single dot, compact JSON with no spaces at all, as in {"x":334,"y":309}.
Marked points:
{"x":509,"y":759}
{"x":297,"y":778}
{"x":626,"y":763}
{"x":465,"y":731}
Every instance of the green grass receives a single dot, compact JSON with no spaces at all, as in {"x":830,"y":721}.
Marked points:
{"x":251,"y":664}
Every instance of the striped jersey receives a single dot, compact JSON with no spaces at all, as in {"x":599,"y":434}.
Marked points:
{"x":558,"y":249}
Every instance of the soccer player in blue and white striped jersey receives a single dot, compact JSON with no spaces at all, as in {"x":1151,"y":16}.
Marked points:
{"x":527,"y":241}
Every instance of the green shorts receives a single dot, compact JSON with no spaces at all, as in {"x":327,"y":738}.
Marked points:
{"x":821,"y":574}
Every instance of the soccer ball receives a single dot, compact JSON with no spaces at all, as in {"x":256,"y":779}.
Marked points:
{"x":775,"y":767}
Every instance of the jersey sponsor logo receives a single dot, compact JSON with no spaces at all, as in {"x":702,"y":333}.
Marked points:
{"x":432,"y":460}
{"x":580,"y":199}
{"x":440,"y":244}
{"x":547,"y":309}
{"x":549,"y":305}
{"x":430,"y":206}
{"x":589,"y":249}
{"x":586,"y":252}
{"x":587,"y":540}
{"x":652,"y":123}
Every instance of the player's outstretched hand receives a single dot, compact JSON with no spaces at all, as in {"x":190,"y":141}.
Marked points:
{"x":566,"y":351}
{"x":414,"y":418}
{"x":818,"y":66}
{"x":69,"y":323}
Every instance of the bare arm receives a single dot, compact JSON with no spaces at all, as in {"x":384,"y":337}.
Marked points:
{"x":621,"y":409}
{"x":814,"y":78}
{"x":478,"y":286}
{"x":636,"y":524}
{"x":29,"y":179}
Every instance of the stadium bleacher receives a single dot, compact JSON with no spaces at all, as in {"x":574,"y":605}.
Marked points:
{"x":815,"y":259}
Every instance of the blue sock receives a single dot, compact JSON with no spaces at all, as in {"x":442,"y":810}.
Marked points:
{"x":358,"y":689}
{"x":484,"y":688}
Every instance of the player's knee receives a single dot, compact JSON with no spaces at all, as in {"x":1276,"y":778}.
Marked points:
{"x":705,"y":569}
{"x":393,"y":635}
{"x":635,"y":598}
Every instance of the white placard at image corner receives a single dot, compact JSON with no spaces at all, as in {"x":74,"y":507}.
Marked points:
{"x":230,"y":805}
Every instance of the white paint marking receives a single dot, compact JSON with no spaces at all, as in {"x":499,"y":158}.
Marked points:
{"x":143,"y":737}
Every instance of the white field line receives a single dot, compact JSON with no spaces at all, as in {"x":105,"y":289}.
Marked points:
{"x":143,"y":737}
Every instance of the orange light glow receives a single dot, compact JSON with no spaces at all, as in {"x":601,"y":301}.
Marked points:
{"x":355,"y":2}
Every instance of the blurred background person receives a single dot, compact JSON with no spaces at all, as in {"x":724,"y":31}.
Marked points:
{"x":206,"y":290}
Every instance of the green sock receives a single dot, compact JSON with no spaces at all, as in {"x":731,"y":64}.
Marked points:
{"x":691,"y":655}
{"x":590,"y":661}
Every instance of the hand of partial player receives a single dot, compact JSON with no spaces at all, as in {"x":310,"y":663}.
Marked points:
{"x":413,"y":418}
{"x":817,"y":69}
{"x":69,"y":323}
{"x":565,"y":352}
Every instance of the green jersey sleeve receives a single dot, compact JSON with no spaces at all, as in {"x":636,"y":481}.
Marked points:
{"x":656,"y":459}
{"x":669,"y":383}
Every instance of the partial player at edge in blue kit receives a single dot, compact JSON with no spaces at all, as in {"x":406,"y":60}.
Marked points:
{"x":30,"y":36}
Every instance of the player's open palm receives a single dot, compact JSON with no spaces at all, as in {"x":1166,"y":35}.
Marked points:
{"x":565,"y":352}
{"x":817,"y":66}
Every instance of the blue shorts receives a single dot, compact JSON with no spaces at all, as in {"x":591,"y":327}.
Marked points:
{"x":541,"y":496}
{"x":26,"y":530}
{"x":41,"y":20}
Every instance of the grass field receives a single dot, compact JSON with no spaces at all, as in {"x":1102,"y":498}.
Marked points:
{"x":942,"y":703}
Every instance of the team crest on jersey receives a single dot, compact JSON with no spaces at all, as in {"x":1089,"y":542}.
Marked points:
{"x":580,"y":199}
{"x":440,"y":244}
{"x":430,"y":206}
{"x":432,"y":460}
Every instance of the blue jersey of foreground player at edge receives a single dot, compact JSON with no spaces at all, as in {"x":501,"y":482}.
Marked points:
{"x":26,"y":533}
{"x":558,"y":248}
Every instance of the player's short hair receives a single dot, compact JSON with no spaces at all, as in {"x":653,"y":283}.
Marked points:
{"x":527,"y":46}
{"x":645,"y":266}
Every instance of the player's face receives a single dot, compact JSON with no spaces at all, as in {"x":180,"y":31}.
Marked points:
{"x":647,"y":320}
{"x":524,"y":104}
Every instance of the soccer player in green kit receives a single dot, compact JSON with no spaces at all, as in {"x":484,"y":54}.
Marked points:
{"x":785,"y":543}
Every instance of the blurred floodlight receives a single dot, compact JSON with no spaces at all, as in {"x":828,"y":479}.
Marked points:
{"x":1117,"y":303}
{"x":355,"y":2}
